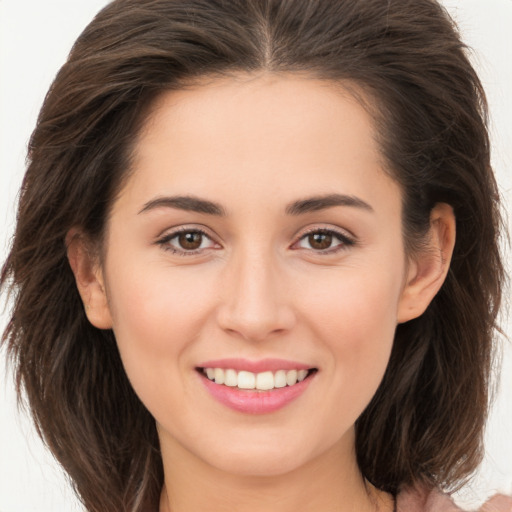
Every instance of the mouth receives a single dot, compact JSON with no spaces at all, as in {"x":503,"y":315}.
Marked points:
{"x":255,"y":386}
{"x":256,"y":382}
{"x":270,"y":387}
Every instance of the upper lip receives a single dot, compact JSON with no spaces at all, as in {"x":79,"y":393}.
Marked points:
{"x":261,"y":365}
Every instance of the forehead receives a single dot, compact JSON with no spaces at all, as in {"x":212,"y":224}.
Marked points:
{"x":251,"y":133}
{"x":272,"y":106}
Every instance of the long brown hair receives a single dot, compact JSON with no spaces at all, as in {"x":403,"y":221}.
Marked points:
{"x":425,"y":422}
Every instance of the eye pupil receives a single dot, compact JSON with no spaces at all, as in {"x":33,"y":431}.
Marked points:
{"x":320,"y":240}
{"x":190,"y":240}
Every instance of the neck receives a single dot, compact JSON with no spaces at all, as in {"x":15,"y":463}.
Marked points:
{"x":330,"y":482}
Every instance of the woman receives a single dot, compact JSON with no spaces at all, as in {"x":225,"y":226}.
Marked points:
{"x":243,"y":265}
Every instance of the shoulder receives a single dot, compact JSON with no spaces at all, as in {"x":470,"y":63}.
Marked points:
{"x":421,"y":499}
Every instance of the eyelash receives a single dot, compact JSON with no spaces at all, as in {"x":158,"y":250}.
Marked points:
{"x":345,"y":241}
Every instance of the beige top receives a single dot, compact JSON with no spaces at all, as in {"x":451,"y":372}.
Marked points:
{"x":422,"y":500}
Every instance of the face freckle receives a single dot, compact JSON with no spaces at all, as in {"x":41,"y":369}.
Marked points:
{"x":258,"y":225}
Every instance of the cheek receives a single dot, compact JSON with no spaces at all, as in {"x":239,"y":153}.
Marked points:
{"x":157,"y":316}
{"x":355,"y":318}
{"x":155,"y":305}
{"x":356,"y":307}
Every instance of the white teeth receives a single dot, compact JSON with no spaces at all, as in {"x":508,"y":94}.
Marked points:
{"x":219,"y":376}
{"x":280,"y":379}
{"x":301,"y":375}
{"x":263,"y":381}
{"x":246,"y":380}
{"x":291,"y":377}
{"x":230,"y":378}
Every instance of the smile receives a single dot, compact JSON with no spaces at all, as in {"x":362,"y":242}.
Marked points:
{"x":271,"y":386}
{"x":263,"y":381}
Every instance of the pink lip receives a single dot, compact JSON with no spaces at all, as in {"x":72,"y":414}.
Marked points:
{"x":263,"y":365}
{"x":253,"y":401}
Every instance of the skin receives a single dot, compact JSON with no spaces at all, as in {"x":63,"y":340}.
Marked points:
{"x":258,"y":286}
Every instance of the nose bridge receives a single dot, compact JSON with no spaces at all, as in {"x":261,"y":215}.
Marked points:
{"x":255,"y":303}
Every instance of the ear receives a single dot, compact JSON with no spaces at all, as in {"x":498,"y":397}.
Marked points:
{"x":427,"y":270}
{"x":89,"y":279}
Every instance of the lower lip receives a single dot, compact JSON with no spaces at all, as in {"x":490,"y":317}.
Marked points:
{"x":256,"y":402}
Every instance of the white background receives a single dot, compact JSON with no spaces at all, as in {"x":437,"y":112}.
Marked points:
{"x":36,"y":36}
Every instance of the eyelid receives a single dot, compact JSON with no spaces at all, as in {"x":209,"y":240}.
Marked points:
{"x":180,"y":228}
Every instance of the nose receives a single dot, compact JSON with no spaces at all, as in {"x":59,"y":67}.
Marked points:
{"x":256,"y":302}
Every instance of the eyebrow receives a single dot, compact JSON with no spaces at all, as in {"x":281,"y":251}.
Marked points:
{"x":313,"y":204}
{"x":187,"y":203}
{"x":299,"y":207}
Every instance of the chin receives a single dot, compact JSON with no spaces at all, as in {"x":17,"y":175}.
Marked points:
{"x":260,"y":466}
{"x":258,"y":459}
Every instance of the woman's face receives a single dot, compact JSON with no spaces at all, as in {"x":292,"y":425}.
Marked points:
{"x":258,"y":233}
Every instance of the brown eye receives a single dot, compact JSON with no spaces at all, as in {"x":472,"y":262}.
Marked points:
{"x":324,"y":241}
{"x":190,"y":240}
{"x":320,"y":241}
{"x":187,"y":242}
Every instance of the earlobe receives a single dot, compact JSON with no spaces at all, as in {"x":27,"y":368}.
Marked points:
{"x":89,"y":279}
{"x":428,"y":270}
